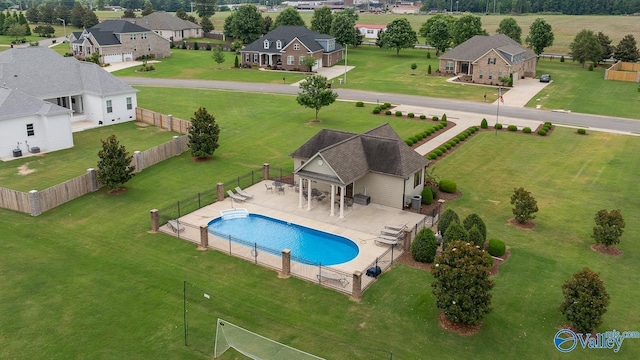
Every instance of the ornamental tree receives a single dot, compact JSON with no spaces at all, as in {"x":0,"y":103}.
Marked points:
{"x":424,"y":246}
{"x":540,"y":36}
{"x":524,"y":205}
{"x":114,"y":166}
{"x":609,"y":227}
{"x":454,"y":232}
{"x":315,"y":94}
{"x":475,"y":220}
{"x":204,"y":134}
{"x":585,"y":300}
{"x":399,"y":35}
{"x":462,"y":285}
{"x":627,"y":49}
{"x":605,"y":44}
{"x":218,"y":55}
{"x":446,"y":219}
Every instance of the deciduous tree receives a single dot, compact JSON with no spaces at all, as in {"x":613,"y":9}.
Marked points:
{"x":627,"y":49}
{"x":130,"y":14}
{"x":524,"y":205}
{"x":609,"y":227}
{"x":204,"y":133}
{"x":586,"y":47}
{"x":343,"y":29}
{"x":245,"y":24}
{"x":315,"y":94}
{"x":399,"y":35}
{"x":114,"y":166}
{"x":322,"y":20}
{"x":509,"y":26}
{"x":466,"y":27}
{"x":462,"y":285}
{"x":218,"y":55}
{"x":585,"y":300}
{"x":540,"y":36}
{"x":437,"y":32}
{"x":289,"y":16}
{"x":205,"y":8}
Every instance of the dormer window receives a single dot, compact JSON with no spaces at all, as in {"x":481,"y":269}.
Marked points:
{"x":296,"y":46}
{"x":266,"y":44}
{"x":278,"y":44}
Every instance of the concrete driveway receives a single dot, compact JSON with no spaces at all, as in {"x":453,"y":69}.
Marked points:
{"x":523,"y":91}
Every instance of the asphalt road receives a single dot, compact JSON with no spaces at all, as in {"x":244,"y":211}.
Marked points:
{"x":559,"y":118}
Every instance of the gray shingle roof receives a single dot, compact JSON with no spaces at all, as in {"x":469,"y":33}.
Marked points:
{"x":286,"y":34}
{"x":43,"y":73}
{"x":351,"y":156}
{"x":15,"y":103}
{"x":105,"y":32}
{"x":479,"y":45}
{"x":160,"y":20}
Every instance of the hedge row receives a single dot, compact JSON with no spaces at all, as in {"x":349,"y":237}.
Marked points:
{"x":545,"y":129}
{"x":421,"y":135}
{"x":451,"y":143}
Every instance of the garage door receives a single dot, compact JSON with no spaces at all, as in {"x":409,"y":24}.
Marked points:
{"x":128,"y":56}
{"x":110,"y":59}
{"x":317,"y":65}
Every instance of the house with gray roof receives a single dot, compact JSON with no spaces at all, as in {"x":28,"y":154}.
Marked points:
{"x":169,"y":26}
{"x":54,"y":85}
{"x":376,"y":166}
{"x":117,"y":41}
{"x":286,"y":47}
{"x":485,"y":59}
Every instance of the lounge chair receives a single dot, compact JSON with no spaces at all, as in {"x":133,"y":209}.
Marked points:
{"x":175,"y":226}
{"x":389,"y":240}
{"x":236,"y":196}
{"x":243,"y":193}
{"x":392,"y":232}
{"x":396,"y":227}
{"x":333,"y":277}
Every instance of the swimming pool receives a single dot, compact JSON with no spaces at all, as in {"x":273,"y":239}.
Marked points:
{"x":312,"y":245}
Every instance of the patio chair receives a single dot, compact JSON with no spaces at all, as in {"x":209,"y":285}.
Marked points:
{"x":236,"y":196}
{"x":396,"y":227}
{"x":388,"y":240}
{"x":342,"y":280}
{"x":175,"y":226}
{"x":269,"y":188}
{"x":243,"y":193}
{"x":392,"y":232}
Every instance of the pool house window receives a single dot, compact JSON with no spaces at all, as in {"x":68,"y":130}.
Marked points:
{"x":30,"y":130}
{"x":109,"y":107}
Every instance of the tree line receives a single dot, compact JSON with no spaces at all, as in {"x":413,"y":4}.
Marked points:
{"x":568,"y":7}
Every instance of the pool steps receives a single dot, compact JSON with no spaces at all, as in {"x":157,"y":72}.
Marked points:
{"x":234,"y":213}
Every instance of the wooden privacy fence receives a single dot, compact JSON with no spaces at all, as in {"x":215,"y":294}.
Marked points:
{"x":623,"y":71}
{"x":162,"y":121}
{"x":36,"y":202}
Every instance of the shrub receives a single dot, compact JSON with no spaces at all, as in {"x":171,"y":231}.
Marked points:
{"x":542,"y":132}
{"x":432,"y":156}
{"x":456,"y":140}
{"x":461,"y":137}
{"x":582,"y":131}
{"x":474,"y":220}
{"x":429,"y":68}
{"x":387,"y":105}
{"x":562,"y":58}
{"x":512,"y":128}
{"x":411,"y":115}
{"x":526,"y":130}
{"x":423,"y":248}
{"x":184,"y":45}
{"x":443,"y":149}
{"x":423,"y":116}
{"x":444,"y":117}
{"x":447,"y":146}
{"x":409,"y":142}
{"x":398,"y":113}
{"x":590,"y":67}
{"x":547,"y":123}
{"x":414,"y":66}
{"x":434,"y":191}
{"x":448,"y":217}
{"x":524,"y":205}
{"x":208,"y":47}
{"x":454,"y":232}
{"x":195,"y":45}
{"x":475,"y":237}
{"x":585,"y":300}
{"x":434,"y":118}
{"x":236,"y":62}
{"x":484,"y":124}
{"x":414,"y":139}
{"x":448,"y":186}
{"x":443,"y":123}
{"x":359,"y":104}
{"x":376,"y":110}
{"x":497,"y":247}
{"x":387,"y":112}
{"x":427,"y":196}
{"x":451,"y":143}
{"x":429,"y":56}
{"x":498,"y":126}
{"x":438,"y":152}
{"x":425,"y":134}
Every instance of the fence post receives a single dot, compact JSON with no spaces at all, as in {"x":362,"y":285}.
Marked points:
{"x":286,"y":263}
{"x":169,"y":122}
{"x":176,"y":146}
{"x":220,"y":188}
{"x":265,"y":171}
{"x":137,"y":160}
{"x":407,"y":240}
{"x":204,"y":237}
{"x":93,"y":179}
{"x":34,"y":200}
{"x":155,"y":223}
{"x":356,"y":293}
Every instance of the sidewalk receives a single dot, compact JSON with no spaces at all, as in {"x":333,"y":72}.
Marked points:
{"x":335,"y":72}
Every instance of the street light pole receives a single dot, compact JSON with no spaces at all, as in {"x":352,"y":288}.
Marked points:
{"x":64,"y":26}
{"x":451,"y":6}
{"x":456,"y":6}
{"x":346,"y":55}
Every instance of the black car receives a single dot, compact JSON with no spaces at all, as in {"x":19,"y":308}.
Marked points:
{"x":545,"y":78}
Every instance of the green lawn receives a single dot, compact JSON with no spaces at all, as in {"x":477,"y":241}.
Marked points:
{"x":86,"y":280}
{"x":579,"y":90}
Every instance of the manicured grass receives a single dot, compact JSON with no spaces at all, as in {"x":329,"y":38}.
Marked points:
{"x":52,"y":168}
{"x":579,"y":90}
{"x":87,"y":280}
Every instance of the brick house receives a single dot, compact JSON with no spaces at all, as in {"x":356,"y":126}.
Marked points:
{"x":169,"y":26}
{"x":118,"y":41}
{"x":286,"y":47}
{"x":488,"y":58}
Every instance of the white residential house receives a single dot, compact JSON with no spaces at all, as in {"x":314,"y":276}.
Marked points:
{"x":82,"y":91}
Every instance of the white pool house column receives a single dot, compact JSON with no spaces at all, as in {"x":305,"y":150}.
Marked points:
{"x":333,"y":202}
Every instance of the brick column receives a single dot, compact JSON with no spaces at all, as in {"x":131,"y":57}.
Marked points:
{"x":93,"y":179}
{"x":220,"y":188}
{"x":265,"y":171}
{"x":155,"y":222}
{"x":204,"y":237}
{"x":137,"y":160}
{"x":286,"y":263}
{"x":34,"y":200}
{"x":170,"y":122}
{"x":407,"y":240}
{"x":356,"y":293}
{"x":177,"y":148}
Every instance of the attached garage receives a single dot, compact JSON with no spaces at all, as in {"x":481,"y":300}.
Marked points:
{"x":109,"y":59}
{"x":317,"y":65}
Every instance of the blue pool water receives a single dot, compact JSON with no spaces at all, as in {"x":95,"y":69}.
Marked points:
{"x":312,"y":245}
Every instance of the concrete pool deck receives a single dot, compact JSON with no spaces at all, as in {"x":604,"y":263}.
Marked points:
{"x":361,"y":223}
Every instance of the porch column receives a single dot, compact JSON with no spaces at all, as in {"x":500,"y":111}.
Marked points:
{"x":300,"y":181}
{"x":342,"y":189}
{"x":308,"y":194}
{"x":333,"y":196}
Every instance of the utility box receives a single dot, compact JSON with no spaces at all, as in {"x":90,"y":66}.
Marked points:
{"x":17,"y":152}
{"x":416,"y":202}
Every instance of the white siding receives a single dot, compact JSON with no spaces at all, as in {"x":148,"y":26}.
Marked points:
{"x":50,"y":134}
{"x":383,"y":189}
{"x":96,"y":108}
